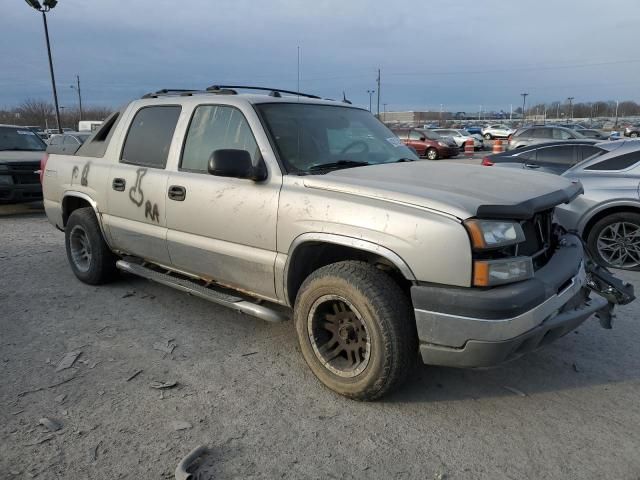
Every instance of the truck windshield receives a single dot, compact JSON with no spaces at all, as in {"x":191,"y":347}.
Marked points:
{"x":309,"y":137}
{"x":21,"y":139}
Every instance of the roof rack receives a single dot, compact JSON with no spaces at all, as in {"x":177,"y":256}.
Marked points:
{"x":171,"y":91}
{"x":274,"y":92}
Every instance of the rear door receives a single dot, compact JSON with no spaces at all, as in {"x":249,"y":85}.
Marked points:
{"x":554,"y":159}
{"x":137,"y":187}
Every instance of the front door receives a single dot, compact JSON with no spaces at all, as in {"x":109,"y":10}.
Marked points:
{"x":137,"y":189}
{"x":222,"y":228}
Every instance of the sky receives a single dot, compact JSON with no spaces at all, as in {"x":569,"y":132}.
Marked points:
{"x":460,"y":54}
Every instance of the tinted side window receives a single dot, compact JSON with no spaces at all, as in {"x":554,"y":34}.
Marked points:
{"x":585,"y":151}
{"x":621,"y":162}
{"x":215,"y":127}
{"x":150,"y":135}
{"x":530,"y":155}
{"x":536,"y":133}
{"x":561,"y":155}
{"x":560,"y":134}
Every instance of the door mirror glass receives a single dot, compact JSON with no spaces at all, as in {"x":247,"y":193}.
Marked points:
{"x":236,"y":164}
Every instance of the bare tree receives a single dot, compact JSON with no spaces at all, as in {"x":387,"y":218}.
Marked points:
{"x":35,"y":112}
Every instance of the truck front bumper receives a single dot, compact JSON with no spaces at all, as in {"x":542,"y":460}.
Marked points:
{"x":471,"y":327}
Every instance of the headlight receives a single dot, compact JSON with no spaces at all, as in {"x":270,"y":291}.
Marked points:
{"x":6,"y":180}
{"x":442,"y":144}
{"x":493,"y":233}
{"x":488,"y":273}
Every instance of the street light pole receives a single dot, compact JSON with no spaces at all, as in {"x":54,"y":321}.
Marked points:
{"x":44,"y":8}
{"x":79,"y":94}
{"x":370,"y":92}
{"x":524,"y":104}
{"x":570,"y":107}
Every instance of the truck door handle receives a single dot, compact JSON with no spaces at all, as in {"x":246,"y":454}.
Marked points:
{"x":177,"y":193}
{"x":118,"y":184}
{"x":531,"y":165}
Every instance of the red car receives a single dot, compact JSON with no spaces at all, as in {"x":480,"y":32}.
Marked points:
{"x":427,"y":144}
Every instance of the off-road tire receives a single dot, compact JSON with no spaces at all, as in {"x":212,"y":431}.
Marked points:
{"x":600,"y":225}
{"x":101,"y":266}
{"x":387,"y":315}
{"x":431,"y":154}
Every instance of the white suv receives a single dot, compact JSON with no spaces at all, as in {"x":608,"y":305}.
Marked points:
{"x":496,"y":131}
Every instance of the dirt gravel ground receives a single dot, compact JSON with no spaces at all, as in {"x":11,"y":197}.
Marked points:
{"x":570,"y":410}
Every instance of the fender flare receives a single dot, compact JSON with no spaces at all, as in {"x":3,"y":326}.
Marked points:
{"x":94,"y":205}
{"x":352,"y":242}
{"x":601,"y":207}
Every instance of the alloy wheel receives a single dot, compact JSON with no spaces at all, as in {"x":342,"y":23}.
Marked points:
{"x":339,"y":336}
{"x":619,"y":244}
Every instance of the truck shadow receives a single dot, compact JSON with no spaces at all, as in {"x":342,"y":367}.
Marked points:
{"x":584,"y":358}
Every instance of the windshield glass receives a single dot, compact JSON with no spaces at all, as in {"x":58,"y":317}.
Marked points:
{"x":310,"y":136}
{"x":12,"y":138}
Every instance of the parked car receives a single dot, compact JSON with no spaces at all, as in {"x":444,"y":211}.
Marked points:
{"x":313,"y":210}
{"x":20,"y":153}
{"x":594,"y":133}
{"x":67,"y":142}
{"x":496,"y":131}
{"x":607,"y":216}
{"x":473,"y":130}
{"x":632,"y":131}
{"x":428,"y":144}
{"x":552,"y":157}
{"x":460,"y":137}
{"x":573,"y":126}
{"x":540,"y":134}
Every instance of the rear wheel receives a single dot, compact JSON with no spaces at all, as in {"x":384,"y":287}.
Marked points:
{"x":356,"y":330}
{"x":633,"y":134}
{"x":615,"y":241}
{"x":88,"y":254}
{"x":432,"y":154}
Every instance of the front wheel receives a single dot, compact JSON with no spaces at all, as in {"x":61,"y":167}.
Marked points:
{"x":615,"y":241}
{"x":487,"y":136}
{"x":432,"y":154}
{"x":88,"y":254}
{"x":356,"y":329}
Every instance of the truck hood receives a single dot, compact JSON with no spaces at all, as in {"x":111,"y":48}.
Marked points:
{"x":18,"y":156}
{"x":463,"y":191}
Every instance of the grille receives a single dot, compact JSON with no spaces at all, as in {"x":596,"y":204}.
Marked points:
{"x":24,"y":173}
{"x":539,"y":241}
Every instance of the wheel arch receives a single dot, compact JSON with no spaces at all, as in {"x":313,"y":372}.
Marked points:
{"x":311,"y":251}
{"x":73,"y":200}
{"x":595,"y":216}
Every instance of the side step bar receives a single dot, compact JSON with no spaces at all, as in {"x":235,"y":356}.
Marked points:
{"x":269,"y":314}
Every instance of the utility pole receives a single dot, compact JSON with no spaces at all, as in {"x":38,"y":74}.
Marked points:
{"x":44,"y":8}
{"x":378,"y":80}
{"x":370,"y":92}
{"x":558,"y":112}
{"x":79,"y":94}
{"x":384,"y":118}
{"x":617,"y":105}
{"x":524,"y":105}
{"x":480,"y":113}
{"x":570,"y":99}
{"x":511,"y":113}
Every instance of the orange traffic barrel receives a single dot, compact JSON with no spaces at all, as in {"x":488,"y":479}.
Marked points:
{"x":468,"y":147}
{"x":497,"y":147}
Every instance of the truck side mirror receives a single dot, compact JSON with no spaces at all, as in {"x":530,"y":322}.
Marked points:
{"x":236,"y":164}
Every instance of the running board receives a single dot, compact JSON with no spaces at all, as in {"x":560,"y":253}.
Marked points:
{"x":208,"y":293}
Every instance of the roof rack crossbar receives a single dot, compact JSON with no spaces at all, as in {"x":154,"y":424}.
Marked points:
{"x":171,"y":91}
{"x":266,"y":89}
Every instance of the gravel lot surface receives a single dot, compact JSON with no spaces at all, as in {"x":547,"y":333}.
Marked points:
{"x":570,"y":410}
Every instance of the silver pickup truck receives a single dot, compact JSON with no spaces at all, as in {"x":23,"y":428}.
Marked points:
{"x":281,"y":206}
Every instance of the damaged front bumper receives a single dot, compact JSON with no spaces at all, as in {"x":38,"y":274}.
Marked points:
{"x":469,"y":327}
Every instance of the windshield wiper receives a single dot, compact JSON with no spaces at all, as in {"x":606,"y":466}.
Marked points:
{"x":19,"y":149}
{"x":338,"y":165}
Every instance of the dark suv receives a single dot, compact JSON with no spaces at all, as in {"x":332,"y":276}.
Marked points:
{"x":428,"y":144}
{"x":632,"y":131}
{"x":20,"y":153}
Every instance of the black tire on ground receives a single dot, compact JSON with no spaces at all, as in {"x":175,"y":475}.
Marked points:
{"x":487,"y":136}
{"x":388,"y":321}
{"x":628,"y":218}
{"x":432,"y":154}
{"x":88,"y":254}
